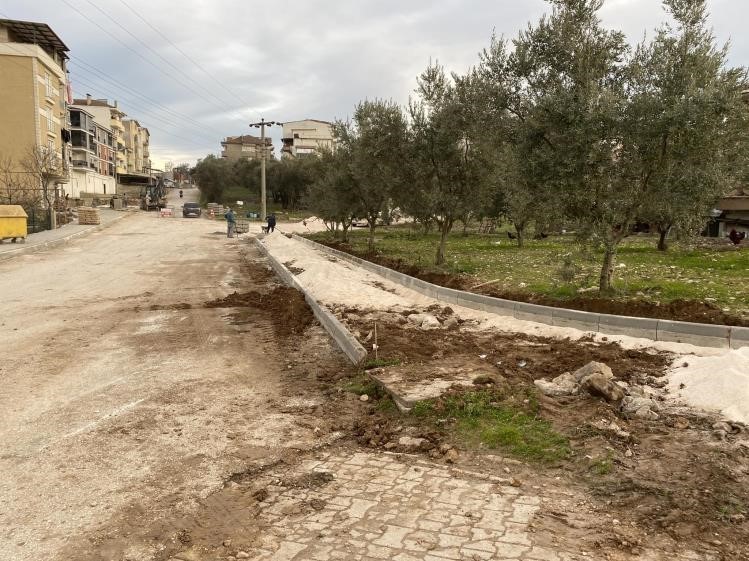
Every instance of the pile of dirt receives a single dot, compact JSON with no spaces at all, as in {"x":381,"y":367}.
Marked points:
{"x":677,"y":310}
{"x":514,"y":355}
{"x":285,"y":305}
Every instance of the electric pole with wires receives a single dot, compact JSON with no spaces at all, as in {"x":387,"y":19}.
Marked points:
{"x":263,"y":154}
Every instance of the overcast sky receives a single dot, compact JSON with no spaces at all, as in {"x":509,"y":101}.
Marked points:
{"x":287,"y":60}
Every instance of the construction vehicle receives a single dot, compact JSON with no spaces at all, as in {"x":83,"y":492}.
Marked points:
{"x":153,"y":196}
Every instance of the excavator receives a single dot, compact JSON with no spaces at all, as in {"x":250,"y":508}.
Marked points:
{"x":153,"y":196}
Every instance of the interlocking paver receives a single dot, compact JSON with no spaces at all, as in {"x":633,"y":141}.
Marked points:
{"x":381,"y":507}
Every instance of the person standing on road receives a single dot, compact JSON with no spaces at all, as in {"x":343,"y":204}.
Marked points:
{"x":271,"y":223}
{"x":231,"y":223}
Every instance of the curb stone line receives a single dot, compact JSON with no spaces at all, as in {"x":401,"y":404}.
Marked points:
{"x":632,"y":326}
{"x":340,"y":334}
{"x":60,"y":241}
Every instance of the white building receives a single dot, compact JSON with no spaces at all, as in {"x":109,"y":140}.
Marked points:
{"x":302,"y":138}
{"x":93,"y":160}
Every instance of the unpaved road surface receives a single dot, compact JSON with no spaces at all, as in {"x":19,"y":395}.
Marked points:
{"x":123,"y":396}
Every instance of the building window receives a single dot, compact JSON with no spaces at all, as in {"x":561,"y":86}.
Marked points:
{"x":48,"y":84}
{"x":51,"y":145}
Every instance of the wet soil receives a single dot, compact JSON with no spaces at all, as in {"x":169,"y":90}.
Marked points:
{"x":669,"y":480}
{"x":677,"y":310}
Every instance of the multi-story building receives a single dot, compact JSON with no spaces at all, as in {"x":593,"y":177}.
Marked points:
{"x":306,"y":137}
{"x":246,"y":147}
{"x":93,"y":153}
{"x":137,"y":141}
{"x":104,"y":112}
{"x":33,"y":87}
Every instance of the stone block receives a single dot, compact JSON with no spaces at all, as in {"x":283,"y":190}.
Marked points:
{"x":739,"y":337}
{"x":534,"y":312}
{"x":631,"y":326}
{"x":700,"y":334}
{"x":585,"y":321}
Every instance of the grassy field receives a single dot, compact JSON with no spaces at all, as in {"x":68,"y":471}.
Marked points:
{"x":698,"y":271}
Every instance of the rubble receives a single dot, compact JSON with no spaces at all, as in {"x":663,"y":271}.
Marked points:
{"x":641,"y":407}
{"x":598,"y":384}
{"x":565,"y":384}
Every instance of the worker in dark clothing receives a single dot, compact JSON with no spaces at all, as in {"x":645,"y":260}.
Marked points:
{"x":271,"y":222}
{"x":231,"y":223}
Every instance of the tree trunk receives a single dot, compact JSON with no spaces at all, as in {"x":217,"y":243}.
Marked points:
{"x":607,"y":270}
{"x":372,"y":225}
{"x":445,"y":228}
{"x":346,"y":226}
{"x":520,"y":228}
{"x":662,"y":240}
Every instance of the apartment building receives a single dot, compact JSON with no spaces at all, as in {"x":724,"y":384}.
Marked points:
{"x":137,"y":147}
{"x":93,"y":153}
{"x":33,"y":86}
{"x":103,"y":113}
{"x":306,"y":137}
{"x":246,"y":147}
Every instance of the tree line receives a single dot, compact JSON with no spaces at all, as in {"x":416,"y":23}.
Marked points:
{"x":288,"y":180}
{"x":566,"y":124}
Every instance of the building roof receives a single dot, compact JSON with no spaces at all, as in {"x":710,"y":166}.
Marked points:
{"x":303,"y":120}
{"x":36,"y":33}
{"x":246,"y":139}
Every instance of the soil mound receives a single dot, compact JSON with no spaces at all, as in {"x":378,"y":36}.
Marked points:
{"x":285,"y":305}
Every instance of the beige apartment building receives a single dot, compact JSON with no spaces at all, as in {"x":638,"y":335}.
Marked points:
{"x":109,"y":116}
{"x":137,"y":147}
{"x":33,"y":108}
{"x":245,"y":147}
{"x":306,"y":137}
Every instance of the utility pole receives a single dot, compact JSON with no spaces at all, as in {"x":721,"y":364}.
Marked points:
{"x":263,"y":154}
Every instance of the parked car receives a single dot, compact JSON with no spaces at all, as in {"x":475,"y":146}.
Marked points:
{"x":191,"y":209}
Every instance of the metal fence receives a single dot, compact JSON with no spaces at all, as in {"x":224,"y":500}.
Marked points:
{"x":38,"y":219}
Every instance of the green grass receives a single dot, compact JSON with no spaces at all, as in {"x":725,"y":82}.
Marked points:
{"x":603,"y":466}
{"x":478,"y":419}
{"x":686,"y":271}
{"x":363,"y":384}
{"x":381,"y":362}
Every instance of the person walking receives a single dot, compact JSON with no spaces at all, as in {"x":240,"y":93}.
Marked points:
{"x":271,"y":223}
{"x":231,"y":223}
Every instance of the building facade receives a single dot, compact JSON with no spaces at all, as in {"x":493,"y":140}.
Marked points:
{"x":306,"y":137}
{"x":245,"y":147}
{"x":93,"y":154}
{"x":104,"y":113}
{"x":137,"y":148}
{"x":33,"y":94}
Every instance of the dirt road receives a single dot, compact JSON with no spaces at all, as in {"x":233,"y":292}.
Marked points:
{"x":122,"y":394}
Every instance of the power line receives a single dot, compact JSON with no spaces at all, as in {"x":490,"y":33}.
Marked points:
{"x":170,"y":134}
{"x":138,"y":54}
{"x":135,"y":103}
{"x":183,"y":53}
{"x":101,"y":75}
{"x":146,"y":45}
{"x":152,"y":115}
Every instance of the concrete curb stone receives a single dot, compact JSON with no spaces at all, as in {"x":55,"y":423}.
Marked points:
{"x":60,"y":241}
{"x":699,"y":334}
{"x":340,"y":334}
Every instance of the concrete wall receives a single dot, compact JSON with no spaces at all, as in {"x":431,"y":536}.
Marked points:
{"x":700,"y":334}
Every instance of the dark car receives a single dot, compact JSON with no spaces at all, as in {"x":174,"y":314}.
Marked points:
{"x":191,"y":209}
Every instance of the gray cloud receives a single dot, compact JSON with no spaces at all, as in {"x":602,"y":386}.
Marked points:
{"x":290,"y":60}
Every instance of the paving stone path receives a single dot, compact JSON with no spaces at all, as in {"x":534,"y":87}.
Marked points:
{"x":381,"y":507}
